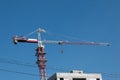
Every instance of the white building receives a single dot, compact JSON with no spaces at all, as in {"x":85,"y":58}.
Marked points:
{"x":76,"y":75}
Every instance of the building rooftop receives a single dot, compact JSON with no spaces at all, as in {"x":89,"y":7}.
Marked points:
{"x":76,"y":75}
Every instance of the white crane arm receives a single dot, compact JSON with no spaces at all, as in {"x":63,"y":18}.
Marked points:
{"x":75,"y":43}
{"x":23,"y":39}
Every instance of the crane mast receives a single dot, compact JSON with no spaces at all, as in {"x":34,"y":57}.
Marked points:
{"x":40,"y":53}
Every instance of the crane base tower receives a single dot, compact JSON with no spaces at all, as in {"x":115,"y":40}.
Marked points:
{"x":41,"y":61}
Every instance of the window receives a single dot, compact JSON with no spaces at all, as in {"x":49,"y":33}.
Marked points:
{"x":97,"y":79}
{"x":79,"y":78}
{"x":61,"y":78}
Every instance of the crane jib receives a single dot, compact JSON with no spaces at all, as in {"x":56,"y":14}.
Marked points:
{"x":23,"y":39}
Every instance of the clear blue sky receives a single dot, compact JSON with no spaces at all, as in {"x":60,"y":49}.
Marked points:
{"x":81,"y":20}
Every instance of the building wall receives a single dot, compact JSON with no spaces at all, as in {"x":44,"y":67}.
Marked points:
{"x":76,"y":76}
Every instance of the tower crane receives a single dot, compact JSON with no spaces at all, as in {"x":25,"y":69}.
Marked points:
{"x":40,"y":53}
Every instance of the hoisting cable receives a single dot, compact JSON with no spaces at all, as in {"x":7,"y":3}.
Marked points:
{"x":29,"y":34}
{"x":61,"y":35}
